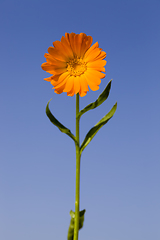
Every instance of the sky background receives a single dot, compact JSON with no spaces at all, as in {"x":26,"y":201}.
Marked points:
{"x":120,"y":168}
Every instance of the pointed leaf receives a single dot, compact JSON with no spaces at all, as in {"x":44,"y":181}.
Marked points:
{"x":61,"y":127}
{"x":71,"y":226}
{"x":92,"y":132}
{"x":104,"y":95}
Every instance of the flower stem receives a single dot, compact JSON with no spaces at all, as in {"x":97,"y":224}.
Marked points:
{"x":76,"y":226}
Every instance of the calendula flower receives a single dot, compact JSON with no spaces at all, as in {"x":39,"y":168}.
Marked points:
{"x":75,"y":64}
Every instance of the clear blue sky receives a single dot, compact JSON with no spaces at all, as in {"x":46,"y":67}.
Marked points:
{"x":120,"y":168}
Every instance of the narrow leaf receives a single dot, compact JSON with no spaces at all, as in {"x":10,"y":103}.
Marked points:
{"x":104,"y":95}
{"x":61,"y":127}
{"x":92,"y":132}
{"x":71,"y":226}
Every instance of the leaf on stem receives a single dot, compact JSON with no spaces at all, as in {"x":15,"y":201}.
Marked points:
{"x":71,"y":226}
{"x":102,"y":97}
{"x":61,"y":127}
{"x":92,"y":132}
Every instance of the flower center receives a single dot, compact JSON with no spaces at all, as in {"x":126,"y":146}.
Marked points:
{"x":76,"y":67}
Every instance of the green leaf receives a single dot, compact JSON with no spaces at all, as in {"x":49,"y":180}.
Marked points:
{"x":71,"y":226}
{"x":104,"y":95}
{"x":92,"y":132}
{"x":61,"y":127}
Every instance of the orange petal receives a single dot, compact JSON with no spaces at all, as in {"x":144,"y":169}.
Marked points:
{"x":97,"y":65}
{"x":102,"y":55}
{"x":60,"y":87}
{"x":91,"y":78}
{"x":49,"y":79}
{"x":56,"y":54}
{"x":58,"y":45}
{"x":69,"y":84}
{"x":46,"y":66}
{"x":92,"y":55}
{"x":72,"y":41}
{"x":58,"y":70}
{"x":52,"y":69}
{"x":100,"y":69}
{"x":77,"y":44}
{"x":83,"y":84}
{"x":71,"y":92}
{"x":93,"y":86}
{"x":63,"y":77}
{"x":58,"y":91}
{"x":67,"y":38}
{"x":95,"y":45}
{"x":94,"y":73}
{"x":58,"y":79}
{"x":67,"y":47}
{"x":82,"y":93}
{"x":55,"y":78}
{"x":86,"y":43}
{"x":54,"y":61}
{"x":76,"y":84}
{"x":63,"y":50}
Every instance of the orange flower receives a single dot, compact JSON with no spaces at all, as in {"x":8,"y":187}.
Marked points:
{"x":75,"y":64}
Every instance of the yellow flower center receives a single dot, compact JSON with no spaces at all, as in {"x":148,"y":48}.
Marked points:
{"x":76,"y":67}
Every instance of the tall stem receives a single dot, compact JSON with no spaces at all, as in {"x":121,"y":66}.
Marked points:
{"x":76,"y":226}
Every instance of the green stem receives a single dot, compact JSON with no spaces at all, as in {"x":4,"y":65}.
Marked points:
{"x":76,"y":226}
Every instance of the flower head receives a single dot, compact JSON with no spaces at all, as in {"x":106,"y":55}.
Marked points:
{"x":75,"y":64}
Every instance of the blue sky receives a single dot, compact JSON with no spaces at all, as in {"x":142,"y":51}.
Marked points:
{"x":120,"y":178}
